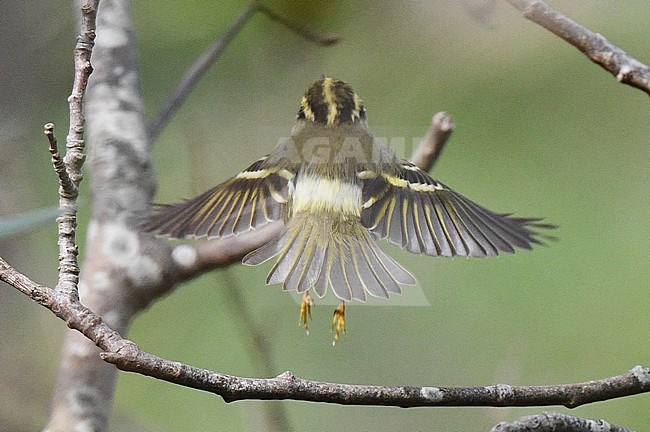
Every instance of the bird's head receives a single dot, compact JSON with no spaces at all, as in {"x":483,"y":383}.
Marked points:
{"x":331,"y":102}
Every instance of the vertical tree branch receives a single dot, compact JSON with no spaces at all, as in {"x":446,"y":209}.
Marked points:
{"x":74,"y":157}
{"x":122,"y":266}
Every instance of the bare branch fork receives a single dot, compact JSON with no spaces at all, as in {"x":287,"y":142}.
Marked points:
{"x":623,"y":66}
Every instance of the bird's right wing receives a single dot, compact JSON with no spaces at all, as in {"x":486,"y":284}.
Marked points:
{"x":418,"y":213}
{"x":251,"y":199}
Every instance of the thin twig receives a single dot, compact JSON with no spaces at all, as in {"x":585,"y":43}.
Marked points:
{"x":556,"y":422}
{"x":128,"y":357}
{"x":300,"y":30}
{"x":69,"y":171}
{"x":258,"y":347}
{"x":182,"y":90}
{"x":75,"y":157}
{"x":623,"y":66}
{"x":427,"y":153}
{"x":66,"y":187}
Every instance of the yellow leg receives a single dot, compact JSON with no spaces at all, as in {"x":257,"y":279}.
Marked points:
{"x":338,"y":321}
{"x":305,"y":310}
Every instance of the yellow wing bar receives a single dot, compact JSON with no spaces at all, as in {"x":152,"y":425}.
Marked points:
{"x":251,"y":199}
{"x":422,"y":215}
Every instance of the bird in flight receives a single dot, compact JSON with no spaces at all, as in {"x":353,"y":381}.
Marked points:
{"x":338,"y":190}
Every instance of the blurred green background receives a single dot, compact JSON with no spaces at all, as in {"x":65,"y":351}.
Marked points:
{"x":539,"y":130}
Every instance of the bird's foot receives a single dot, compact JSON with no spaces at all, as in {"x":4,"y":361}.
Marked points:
{"x":305,"y":310}
{"x":338,"y":322}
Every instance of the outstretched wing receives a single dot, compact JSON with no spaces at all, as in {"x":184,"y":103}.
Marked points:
{"x":418,"y":213}
{"x":251,"y":199}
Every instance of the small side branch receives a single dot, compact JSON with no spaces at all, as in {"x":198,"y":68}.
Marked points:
{"x":556,"y":422}
{"x":427,"y":153}
{"x":212,"y":54}
{"x":623,"y":66}
{"x":192,"y":75}
{"x":66,"y":187}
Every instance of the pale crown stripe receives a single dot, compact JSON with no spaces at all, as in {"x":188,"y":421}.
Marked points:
{"x":330,"y":100}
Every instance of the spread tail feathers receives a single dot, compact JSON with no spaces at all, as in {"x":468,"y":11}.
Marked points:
{"x":320,"y":249}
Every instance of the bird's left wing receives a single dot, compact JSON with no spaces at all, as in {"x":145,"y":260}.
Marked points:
{"x":251,"y":199}
{"x":418,"y":213}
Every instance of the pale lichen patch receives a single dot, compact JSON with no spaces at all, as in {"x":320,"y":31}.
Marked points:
{"x":121,"y":245}
{"x":111,"y":318}
{"x":501,"y":391}
{"x":184,"y":255}
{"x":432,"y":393}
{"x":144,"y":271}
{"x":82,"y":398}
{"x":101,"y":280}
{"x":642,"y":374}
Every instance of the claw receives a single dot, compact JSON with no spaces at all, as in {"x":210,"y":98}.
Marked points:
{"x":338,"y":322}
{"x":305,"y":310}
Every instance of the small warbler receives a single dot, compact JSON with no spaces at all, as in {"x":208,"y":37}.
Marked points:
{"x":338,"y":190}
